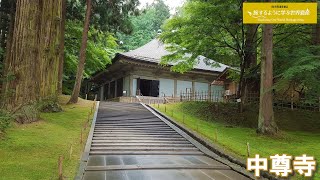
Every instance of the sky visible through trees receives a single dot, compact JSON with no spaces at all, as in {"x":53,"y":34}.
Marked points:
{"x":173,"y":5}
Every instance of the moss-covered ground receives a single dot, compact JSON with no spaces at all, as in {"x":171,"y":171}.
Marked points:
{"x":31,"y":151}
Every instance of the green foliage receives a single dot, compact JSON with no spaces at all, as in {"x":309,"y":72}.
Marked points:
{"x":214,"y":28}
{"x":297,"y":64}
{"x":233,"y":74}
{"x":5,"y":18}
{"x":5,"y":120}
{"x":210,"y":28}
{"x":145,"y":26}
{"x":108,"y":16}
{"x":27,"y":114}
{"x":101,"y":49}
{"x":48,"y":105}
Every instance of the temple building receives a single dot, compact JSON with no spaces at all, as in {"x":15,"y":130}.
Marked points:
{"x":138,"y":73}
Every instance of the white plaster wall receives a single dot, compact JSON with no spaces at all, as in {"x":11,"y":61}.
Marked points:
{"x":126,"y":85}
{"x":201,"y":87}
{"x":182,"y":85}
{"x":216,"y":88}
{"x":217,"y":93}
{"x":166,"y":87}
{"x":134,"y":90}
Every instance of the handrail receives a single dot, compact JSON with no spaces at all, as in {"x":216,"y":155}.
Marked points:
{"x":166,"y":100}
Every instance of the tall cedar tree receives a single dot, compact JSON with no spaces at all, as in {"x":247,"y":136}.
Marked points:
{"x":82,"y":56}
{"x":266,"y":123}
{"x":62,"y":42}
{"x":32,"y":56}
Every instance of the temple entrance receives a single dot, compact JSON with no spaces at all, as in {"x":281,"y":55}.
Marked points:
{"x":149,"y":87}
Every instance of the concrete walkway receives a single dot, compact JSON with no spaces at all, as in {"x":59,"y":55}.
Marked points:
{"x":128,"y":142}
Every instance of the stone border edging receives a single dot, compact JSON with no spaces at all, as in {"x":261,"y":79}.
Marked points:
{"x":85,"y":155}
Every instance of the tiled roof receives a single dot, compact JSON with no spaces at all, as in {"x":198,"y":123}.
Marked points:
{"x":155,"y":50}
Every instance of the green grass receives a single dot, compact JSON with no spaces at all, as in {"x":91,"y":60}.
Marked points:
{"x":219,"y":126}
{"x":31,"y":151}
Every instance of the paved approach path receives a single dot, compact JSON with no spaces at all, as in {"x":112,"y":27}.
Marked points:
{"x":131,"y":143}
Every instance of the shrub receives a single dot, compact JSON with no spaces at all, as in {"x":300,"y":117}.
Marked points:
{"x":27,"y":114}
{"x":5,"y":120}
{"x":49,"y":105}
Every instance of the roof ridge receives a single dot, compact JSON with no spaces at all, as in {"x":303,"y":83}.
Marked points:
{"x":154,"y":50}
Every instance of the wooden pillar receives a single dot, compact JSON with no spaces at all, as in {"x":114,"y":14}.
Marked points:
{"x":130,"y":85}
{"x":193,"y":90}
{"x":175,"y":88}
{"x":115,"y":88}
{"x":209,"y":92}
{"x":109,"y":90}
{"x":292,"y":95}
{"x":102,"y":93}
{"x":138,"y":91}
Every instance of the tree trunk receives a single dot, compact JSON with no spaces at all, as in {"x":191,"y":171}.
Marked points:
{"x":82,"y":56}
{"x":51,"y":16}
{"x":62,"y":41}
{"x":266,"y":123}
{"x":249,"y":61}
{"x":33,"y":54}
{"x":316,"y":30}
{"x":250,"y":58}
{"x":316,"y":34}
{"x":240,"y":94}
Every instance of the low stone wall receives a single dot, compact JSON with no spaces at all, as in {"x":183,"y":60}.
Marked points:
{"x":125,"y":99}
{"x":144,"y":99}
